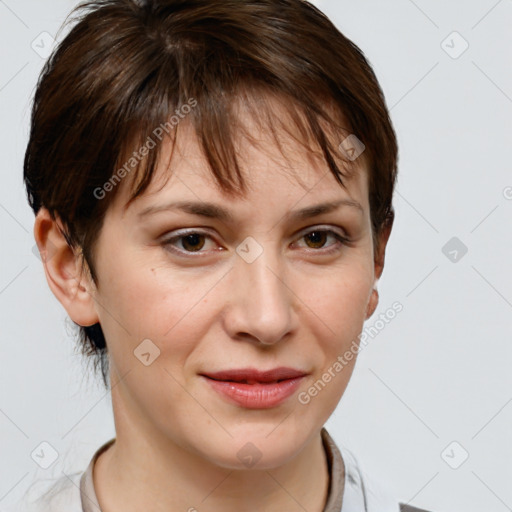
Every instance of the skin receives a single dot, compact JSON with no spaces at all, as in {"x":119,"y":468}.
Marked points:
{"x":296,"y":305}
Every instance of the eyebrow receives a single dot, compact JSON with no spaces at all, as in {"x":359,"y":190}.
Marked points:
{"x":214,"y":211}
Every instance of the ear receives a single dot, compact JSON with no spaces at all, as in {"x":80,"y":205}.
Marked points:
{"x":379,"y":257}
{"x":63,"y":268}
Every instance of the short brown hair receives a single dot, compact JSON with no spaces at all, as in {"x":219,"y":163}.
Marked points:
{"x":127,"y":66}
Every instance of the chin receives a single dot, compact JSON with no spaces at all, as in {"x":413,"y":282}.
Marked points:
{"x":252,"y":448}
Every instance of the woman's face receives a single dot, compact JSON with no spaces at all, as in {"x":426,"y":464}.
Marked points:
{"x":227,"y":284}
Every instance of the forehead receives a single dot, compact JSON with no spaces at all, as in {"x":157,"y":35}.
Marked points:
{"x":276,"y":158}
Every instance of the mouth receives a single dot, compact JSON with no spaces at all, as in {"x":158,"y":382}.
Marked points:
{"x":253,"y":389}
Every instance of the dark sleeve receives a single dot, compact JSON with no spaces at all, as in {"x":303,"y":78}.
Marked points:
{"x":409,"y":508}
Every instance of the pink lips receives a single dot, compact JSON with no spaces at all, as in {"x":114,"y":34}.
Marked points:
{"x":256,"y":389}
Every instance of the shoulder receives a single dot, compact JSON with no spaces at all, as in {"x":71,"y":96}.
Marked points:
{"x":61,"y":495}
{"x":363,"y":492}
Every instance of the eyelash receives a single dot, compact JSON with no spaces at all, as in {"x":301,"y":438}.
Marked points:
{"x":336,"y":247}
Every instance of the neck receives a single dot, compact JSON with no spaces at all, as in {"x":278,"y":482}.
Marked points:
{"x":144,"y":467}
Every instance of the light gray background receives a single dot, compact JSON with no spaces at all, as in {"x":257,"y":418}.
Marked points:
{"x":438,"y":373}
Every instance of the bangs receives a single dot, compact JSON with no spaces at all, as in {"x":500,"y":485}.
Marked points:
{"x":222,"y":130}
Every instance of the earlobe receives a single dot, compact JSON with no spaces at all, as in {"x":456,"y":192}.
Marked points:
{"x":373,"y":302}
{"x":63,"y":268}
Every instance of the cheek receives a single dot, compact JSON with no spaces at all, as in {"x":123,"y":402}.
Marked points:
{"x":339,"y":299}
{"x":169,"y":307}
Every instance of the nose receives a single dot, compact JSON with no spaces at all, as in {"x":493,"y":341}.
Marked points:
{"x":261,"y":305}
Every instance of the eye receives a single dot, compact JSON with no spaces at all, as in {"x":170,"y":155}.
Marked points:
{"x":316,"y":239}
{"x":190,"y":242}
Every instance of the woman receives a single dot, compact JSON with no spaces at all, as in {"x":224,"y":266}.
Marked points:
{"x":212,"y":182}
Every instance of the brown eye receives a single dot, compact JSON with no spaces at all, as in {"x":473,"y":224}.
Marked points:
{"x":317,"y":239}
{"x":189,"y":243}
{"x":193,"y":242}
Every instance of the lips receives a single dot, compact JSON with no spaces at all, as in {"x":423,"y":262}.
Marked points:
{"x":254,"y":389}
{"x":253,"y":376}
